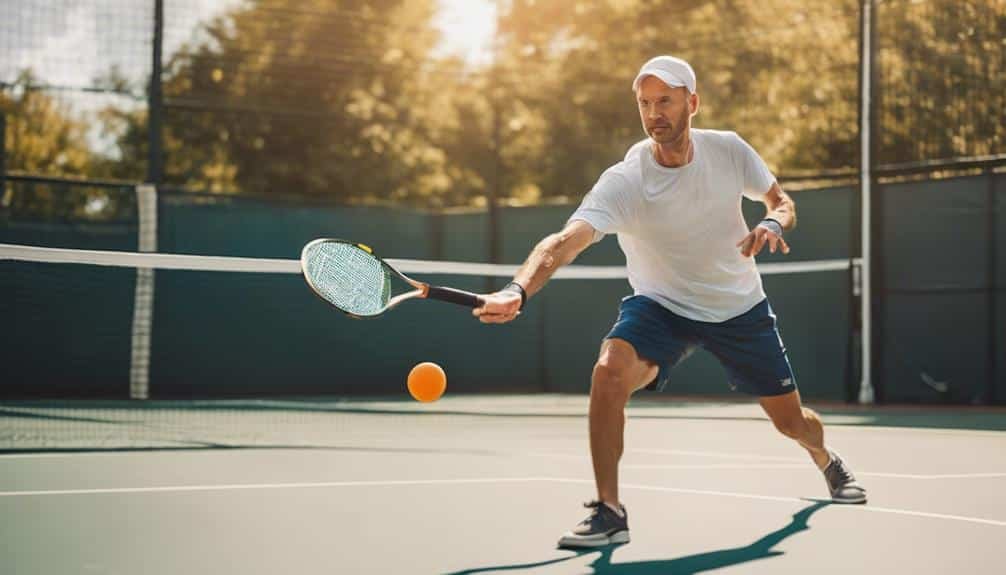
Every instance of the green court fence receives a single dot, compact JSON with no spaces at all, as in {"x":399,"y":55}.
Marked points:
{"x":940,"y":296}
{"x":237,"y":334}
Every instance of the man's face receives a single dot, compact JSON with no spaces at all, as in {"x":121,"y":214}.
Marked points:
{"x":665,"y":111}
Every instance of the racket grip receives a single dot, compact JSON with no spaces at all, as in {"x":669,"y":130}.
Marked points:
{"x":455,"y":296}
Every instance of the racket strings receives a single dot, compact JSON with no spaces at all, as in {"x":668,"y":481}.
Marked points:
{"x":350,"y":278}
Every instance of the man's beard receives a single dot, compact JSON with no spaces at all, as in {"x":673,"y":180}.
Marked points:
{"x":668,"y":135}
{"x":672,"y":131}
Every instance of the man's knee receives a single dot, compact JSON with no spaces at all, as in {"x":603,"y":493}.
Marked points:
{"x":610,"y":380}
{"x":619,"y":371}
{"x":788,"y":415}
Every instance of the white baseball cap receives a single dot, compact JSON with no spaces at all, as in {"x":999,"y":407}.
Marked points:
{"x":672,"y":71}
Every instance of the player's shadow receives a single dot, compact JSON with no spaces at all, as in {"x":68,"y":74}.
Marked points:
{"x":698,"y":563}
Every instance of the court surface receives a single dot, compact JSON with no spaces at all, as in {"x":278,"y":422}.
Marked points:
{"x":487,"y":484}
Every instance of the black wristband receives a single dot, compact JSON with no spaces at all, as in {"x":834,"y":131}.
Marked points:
{"x":517,"y":288}
{"x":772,"y":224}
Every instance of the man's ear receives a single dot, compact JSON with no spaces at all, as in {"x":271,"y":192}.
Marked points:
{"x":693,"y":104}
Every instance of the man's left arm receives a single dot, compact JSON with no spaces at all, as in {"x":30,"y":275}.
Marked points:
{"x":780,"y":216}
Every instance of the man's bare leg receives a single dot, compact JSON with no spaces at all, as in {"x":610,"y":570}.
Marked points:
{"x":799,"y":423}
{"x":804,"y":425}
{"x":619,"y":372}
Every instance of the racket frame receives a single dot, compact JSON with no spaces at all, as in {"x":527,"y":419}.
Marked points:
{"x":422,"y":290}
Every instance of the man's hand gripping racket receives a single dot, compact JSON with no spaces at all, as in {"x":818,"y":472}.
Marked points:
{"x":499,"y":307}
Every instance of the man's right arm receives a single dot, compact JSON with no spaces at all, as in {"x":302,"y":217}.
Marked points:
{"x":551,"y":253}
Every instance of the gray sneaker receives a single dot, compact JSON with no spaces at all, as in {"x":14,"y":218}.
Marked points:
{"x":841,"y":483}
{"x":602,"y":527}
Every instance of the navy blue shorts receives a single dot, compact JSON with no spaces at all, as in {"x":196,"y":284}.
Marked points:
{"x":748,"y":346}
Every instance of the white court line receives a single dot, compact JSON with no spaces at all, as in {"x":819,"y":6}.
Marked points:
{"x":744,"y":457}
{"x":717,"y":454}
{"x":329,"y":484}
{"x":669,"y":466}
{"x":933,"y":476}
{"x":866,"y":507}
{"x":712,"y":466}
{"x":767,"y":465}
{"x":5,"y":456}
{"x":237,"y":486}
{"x":809,"y":467}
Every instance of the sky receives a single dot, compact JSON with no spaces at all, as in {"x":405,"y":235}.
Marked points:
{"x":68,"y":43}
{"x":467,"y":26}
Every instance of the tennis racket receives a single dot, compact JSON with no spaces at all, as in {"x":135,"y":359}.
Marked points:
{"x":354,"y":280}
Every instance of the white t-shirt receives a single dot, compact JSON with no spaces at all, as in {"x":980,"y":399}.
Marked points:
{"x":679,"y":226}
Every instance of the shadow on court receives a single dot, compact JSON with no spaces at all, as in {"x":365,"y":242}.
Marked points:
{"x":698,"y":563}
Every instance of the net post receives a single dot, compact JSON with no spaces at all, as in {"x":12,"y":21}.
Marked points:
{"x":866,"y":389}
{"x":493,"y":193}
{"x":991,"y":273}
{"x":3,"y":154}
{"x":155,"y":101}
{"x":143,"y":297}
{"x":495,"y":187}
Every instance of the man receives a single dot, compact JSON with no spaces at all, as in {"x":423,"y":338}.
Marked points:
{"x":675,"y":204}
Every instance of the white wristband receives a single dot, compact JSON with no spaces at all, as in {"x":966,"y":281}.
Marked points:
{"x":772,"y":225}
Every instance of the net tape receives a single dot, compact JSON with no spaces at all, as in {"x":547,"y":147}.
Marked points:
{"x":290,"y":266}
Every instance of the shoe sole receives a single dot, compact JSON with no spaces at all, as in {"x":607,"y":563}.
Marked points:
{"x":854,"y":496}
{"x":572,"y":541}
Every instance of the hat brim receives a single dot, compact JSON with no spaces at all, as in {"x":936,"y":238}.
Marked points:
{"x":669,"y":79}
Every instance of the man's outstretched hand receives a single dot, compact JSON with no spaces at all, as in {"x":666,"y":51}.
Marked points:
{"x":756,"y":239}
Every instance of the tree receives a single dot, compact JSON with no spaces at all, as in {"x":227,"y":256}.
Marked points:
{"x":782,"y":73}
{"x":942,"y":92}
{"x":343,"y":98}
{"x":329,"y":98}
{"x":44,"y":137}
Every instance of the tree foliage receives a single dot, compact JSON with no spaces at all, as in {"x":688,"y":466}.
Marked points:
{"x":757,"y":76}
{"x":42,"y":135}
{"x":345,"y":99}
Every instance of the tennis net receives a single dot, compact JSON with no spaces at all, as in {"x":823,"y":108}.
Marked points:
{"x":132,"y":350}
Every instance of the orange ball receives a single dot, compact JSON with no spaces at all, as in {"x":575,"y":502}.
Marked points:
{"x":427,"y":382}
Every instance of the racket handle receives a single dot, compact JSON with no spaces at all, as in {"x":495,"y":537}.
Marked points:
{"x":456,"y":296}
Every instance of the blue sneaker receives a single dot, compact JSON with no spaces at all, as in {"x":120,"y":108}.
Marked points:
{"x":602,"y":527}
